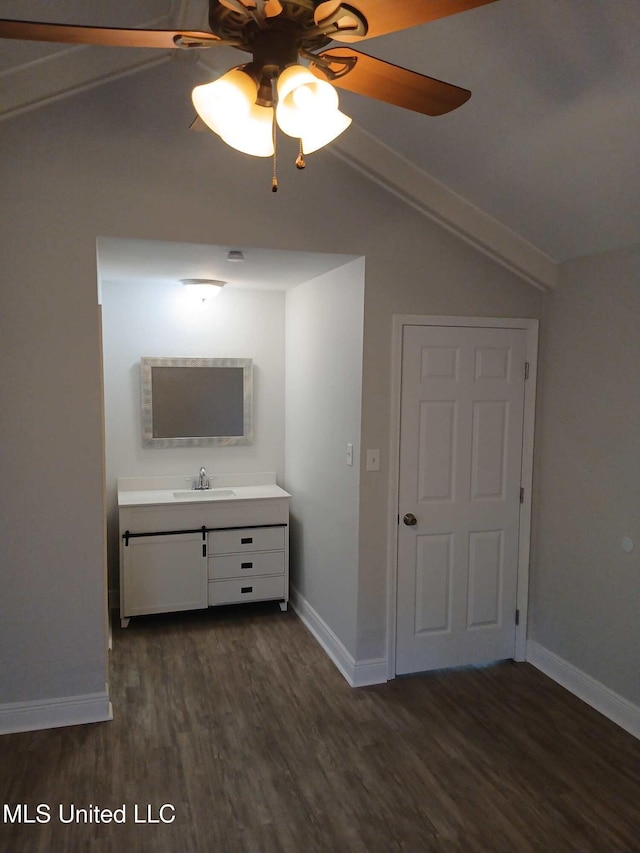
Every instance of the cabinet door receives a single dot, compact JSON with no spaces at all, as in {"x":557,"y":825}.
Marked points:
{"x":164,"y":573}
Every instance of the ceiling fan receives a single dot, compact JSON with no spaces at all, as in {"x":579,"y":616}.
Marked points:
{"x":244,"y":104}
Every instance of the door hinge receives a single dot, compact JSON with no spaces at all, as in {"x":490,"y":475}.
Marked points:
{"x":517,"y":617}
{"x":521,"y":495}
{"x":526,"y":370}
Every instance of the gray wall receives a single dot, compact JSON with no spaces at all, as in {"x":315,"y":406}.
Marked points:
{"x":413,"y":267}
{"x":119,"y":161}
{"x":324,"y":323}
{"x":585,"y":589}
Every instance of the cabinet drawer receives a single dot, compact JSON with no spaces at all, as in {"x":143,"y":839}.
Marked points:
{"x":246,"y":589}
{"x":246,"y":539}
{"x":246,"y":565}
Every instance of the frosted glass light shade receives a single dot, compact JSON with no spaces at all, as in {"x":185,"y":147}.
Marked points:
{"x":225,"y":101}
{"x":252,"y":134}
{"x":228,"y":107}
{"x":308,"y":108}
{"x":323,"y":131}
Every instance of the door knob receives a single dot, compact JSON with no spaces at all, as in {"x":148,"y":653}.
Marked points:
{"x":410,"y":519}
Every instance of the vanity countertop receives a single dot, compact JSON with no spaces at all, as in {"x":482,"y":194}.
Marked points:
{"x":227,"y":493}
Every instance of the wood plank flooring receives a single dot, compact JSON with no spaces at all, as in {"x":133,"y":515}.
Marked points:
{"x":236,"y":719}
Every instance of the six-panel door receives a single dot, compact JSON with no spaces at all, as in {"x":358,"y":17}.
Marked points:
{"x":460,"y":468}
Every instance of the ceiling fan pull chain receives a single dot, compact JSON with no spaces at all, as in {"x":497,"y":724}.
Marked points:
{"x":274,"y":179}
{"x":300,"y":162}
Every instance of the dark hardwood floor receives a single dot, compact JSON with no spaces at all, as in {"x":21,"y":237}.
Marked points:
{"x":237,"y":720}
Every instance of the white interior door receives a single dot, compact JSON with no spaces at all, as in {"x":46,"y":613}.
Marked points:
{"x":461,"y":425}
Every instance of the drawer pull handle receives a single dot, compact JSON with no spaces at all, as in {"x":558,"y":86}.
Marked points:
{"x":246,"y":565}
{"x":246,"y":589}
{"x":248,"y":540}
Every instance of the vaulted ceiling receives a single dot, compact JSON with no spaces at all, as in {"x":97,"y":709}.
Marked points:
{"x":548,"y":145}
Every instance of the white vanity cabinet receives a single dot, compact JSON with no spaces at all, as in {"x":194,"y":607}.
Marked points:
{"x":184,"y":551}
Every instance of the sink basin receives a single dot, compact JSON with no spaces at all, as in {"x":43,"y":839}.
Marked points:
{"x":203,"y":494}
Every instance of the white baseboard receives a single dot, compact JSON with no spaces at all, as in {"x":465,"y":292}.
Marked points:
{"x":612,"y":705}
{"x":52,"y":713}
{"x":356,"y":673}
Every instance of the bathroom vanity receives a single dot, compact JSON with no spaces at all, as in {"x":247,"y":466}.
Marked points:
{"x":187,"y":549}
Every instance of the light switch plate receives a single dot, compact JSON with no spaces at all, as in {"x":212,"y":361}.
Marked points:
{"x":373,"y":460}
{"x":350,"y":455}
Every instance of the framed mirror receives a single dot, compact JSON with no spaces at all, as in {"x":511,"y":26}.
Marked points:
{"x":196,"y":402}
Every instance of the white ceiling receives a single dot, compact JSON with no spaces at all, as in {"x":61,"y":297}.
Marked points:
{"x":549,"y":144}
{"x":131,"y":261}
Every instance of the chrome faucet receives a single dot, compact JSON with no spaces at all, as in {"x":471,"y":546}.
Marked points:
{"x":202,"y":481}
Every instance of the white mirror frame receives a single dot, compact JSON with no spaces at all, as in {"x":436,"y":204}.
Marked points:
{"x":148,"y":439}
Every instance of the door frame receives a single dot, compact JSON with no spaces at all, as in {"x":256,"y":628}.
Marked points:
{"x":530,"y":326}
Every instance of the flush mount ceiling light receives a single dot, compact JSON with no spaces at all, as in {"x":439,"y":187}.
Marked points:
{"x":203,"y":288}
{"x":246,"y":104}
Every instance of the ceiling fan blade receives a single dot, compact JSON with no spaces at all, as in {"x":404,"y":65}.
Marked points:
{"x":110,"y":36}
{"x":388,"y":16}
{"x":349,"y":69}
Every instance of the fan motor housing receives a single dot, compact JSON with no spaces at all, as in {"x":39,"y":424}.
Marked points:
{"x":295,"y":24}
